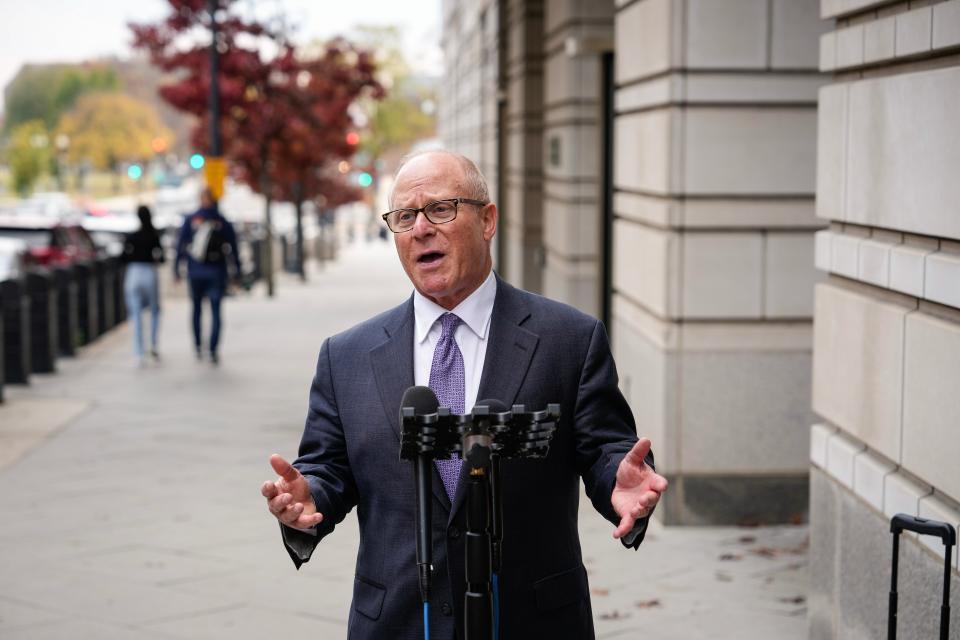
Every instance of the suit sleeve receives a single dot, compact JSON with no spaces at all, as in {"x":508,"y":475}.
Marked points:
{"x":604,"y":431}
{"x":323,"y":462}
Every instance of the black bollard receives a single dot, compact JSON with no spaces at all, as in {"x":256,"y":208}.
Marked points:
{"x":16,"y":332}
{"x":119,"y":304}
{"x":44,"y":328}
{"x":2,"y":367}
{"x":86,"y":303}
{"x":65,"y":283}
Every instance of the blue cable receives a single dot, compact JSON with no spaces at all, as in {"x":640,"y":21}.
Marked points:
{"x":496,"y":607}
{"x":426,"y":621}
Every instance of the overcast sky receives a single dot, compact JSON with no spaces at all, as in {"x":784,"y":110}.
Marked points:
{"x":75,"y":30}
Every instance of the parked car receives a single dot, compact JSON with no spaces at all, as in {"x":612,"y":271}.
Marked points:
{"x":13,"y":258}
{"x":50,"y":242}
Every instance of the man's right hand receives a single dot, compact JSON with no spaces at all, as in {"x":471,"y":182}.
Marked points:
{"x":288,"y":498}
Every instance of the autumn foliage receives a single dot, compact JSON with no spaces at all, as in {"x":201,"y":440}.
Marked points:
{"x":284,"y":117}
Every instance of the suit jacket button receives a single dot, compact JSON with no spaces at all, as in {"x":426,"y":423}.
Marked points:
{"x":445,"y":609}
{"x":454,"y":532}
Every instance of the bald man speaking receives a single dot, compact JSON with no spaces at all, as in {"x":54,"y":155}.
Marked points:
{"x":468,"y":335}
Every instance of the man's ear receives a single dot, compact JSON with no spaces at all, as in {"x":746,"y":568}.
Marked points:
{"x":489,"y":216}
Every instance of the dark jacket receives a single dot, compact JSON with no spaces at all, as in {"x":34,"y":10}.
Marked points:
{"x":539,"y":351}
{"x":203,"y":269}
{"x":143,"y":245}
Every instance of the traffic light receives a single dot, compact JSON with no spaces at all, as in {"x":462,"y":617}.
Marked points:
{"x":196,"y":161}
{"x":134,"y":172}
{"x":353,"y":138}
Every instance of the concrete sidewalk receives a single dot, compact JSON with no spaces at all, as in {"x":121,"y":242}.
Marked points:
{"x":131,"y":506}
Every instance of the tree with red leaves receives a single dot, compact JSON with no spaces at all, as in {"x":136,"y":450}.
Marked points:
{"x":284,"y":119}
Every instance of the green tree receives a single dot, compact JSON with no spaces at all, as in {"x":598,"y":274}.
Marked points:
{"x":28,"y":154}
{"x":44,"y":92}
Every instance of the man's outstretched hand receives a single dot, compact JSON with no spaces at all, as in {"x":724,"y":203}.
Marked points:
{"x":288,"y":498}
{"x":638,"y":488}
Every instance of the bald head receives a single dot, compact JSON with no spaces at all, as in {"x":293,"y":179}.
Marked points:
{"x":473,"y":184}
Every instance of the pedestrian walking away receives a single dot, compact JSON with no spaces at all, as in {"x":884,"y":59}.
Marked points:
{"x":141,"y":286}
{"x":208,"y":242}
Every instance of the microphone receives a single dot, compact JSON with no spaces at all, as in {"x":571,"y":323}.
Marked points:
{"x":422,"y":401}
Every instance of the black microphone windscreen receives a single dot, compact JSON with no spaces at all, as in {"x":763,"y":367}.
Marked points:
{"x":493,"y":406}
{"x":422,"y":399}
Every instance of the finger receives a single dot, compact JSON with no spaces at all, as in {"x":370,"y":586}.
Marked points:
{"x":659,"y":483}
{"x":293,"y":511}
{"x":308,"y":522}
{"x":639,"y":452}
{"x":626,"y":524}
{"x":290,"y":514}
{"x":283,"y":468}
{"x":269,"y":490}
{"x":279,"y":504}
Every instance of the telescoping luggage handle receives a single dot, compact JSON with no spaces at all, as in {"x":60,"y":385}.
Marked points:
{"x":902,"y":522}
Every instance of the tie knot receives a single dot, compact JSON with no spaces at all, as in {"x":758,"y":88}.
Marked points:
{"x":448,"y":324}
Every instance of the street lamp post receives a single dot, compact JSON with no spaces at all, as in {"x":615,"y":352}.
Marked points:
{"x":216,"y":143}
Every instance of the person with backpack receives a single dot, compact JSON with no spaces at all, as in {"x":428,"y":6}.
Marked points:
{"x":208,"y":242}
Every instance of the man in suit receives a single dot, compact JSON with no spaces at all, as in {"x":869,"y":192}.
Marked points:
{"x":468,"y":335}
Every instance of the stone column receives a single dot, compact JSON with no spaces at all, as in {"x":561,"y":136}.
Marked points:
{"x":522,"y":204}
{"x":714,"y":175}
{"x":577,"y":34}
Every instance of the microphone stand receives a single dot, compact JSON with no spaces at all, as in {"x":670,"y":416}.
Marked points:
{"x":478,"y":603}
{"x":482,"y":439}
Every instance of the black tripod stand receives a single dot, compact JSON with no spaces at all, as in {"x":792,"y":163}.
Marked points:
{"x":482,"y":438}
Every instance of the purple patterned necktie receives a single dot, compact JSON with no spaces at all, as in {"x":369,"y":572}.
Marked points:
{"x":447,"y":381}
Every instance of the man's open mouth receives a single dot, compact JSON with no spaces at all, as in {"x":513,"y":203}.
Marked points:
{"x":430,"y":257}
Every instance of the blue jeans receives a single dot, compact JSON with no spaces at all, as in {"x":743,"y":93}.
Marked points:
{"x":142,"y":290}
{"x":212,"y":287}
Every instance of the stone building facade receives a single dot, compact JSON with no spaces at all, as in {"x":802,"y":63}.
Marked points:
{"x":664,"y":165}
{"x":886,"y":370}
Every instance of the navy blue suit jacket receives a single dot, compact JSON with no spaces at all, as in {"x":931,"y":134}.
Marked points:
{"x":539,"y":351}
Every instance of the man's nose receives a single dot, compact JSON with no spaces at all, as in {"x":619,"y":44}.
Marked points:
{"x":422,"y":226}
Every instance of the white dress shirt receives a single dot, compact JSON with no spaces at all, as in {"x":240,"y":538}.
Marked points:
{"x":471,"y":336}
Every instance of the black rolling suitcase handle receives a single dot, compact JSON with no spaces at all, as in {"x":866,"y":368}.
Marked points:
{"x":902,"y":522}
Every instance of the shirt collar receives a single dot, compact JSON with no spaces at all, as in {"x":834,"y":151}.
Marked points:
{"x":474,"y":311}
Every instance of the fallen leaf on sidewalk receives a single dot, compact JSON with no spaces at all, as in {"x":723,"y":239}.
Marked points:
{"x":730,"y":556}
{"x":794,"y":600}
{"x":600,"y":591}
{"x":614,"y":615}
{"x":648,"y":604}
{"x":747,"y":539}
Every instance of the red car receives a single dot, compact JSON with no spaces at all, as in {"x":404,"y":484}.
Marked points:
{"x":50,"y":242}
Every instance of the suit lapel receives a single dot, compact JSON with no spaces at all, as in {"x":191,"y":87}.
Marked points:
{"x":392,"y":363}
{"x":510,"y":349}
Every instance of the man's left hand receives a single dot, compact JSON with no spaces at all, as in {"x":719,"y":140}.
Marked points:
{"x":638,"y":488}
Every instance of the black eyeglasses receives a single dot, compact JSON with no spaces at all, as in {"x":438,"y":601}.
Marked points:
{"x":439,"y":212}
